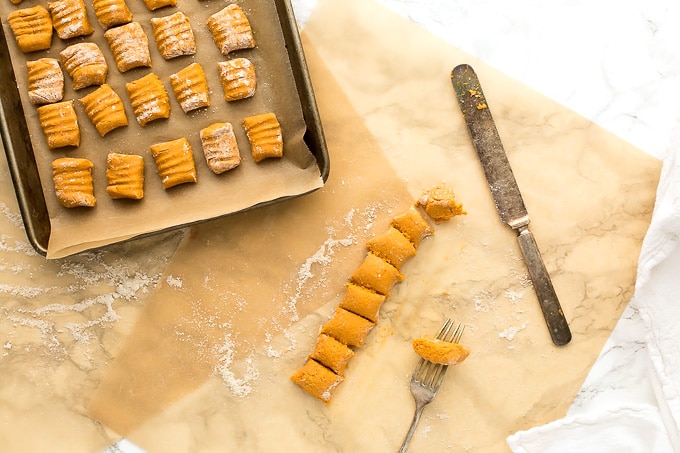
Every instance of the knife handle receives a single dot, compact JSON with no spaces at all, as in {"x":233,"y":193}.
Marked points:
{"x":547,"y":298}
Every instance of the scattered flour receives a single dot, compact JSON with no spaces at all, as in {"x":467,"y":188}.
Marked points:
{"x":84,"y":299}
{"x":272,"y":352}
{"x":47,"y":330}
{"x":175,"y":282}
{"x":510,"y":333}
{"x":514,"y":296}
{"x":18,"y":247}
{"x":240,"y":387}
{"x":14,"y":218}
{"x":27,"y":292}
{"x":483,"y":301}
{"x":320,"y":260}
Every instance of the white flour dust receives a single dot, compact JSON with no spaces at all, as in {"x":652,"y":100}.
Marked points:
{"x":53,"y":305}
{"x":320,"y":260}
{"x":239,"y":386}
{"x":22,"y":247}
{"x":175,"y":282}
{"x":14,"y":218}
{"x":511,"y":332}
{"x":313,"y":272}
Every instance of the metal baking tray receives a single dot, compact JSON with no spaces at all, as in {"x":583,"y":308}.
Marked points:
{"x":21,"y":157}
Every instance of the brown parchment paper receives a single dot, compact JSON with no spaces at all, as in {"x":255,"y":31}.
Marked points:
{"x":208,"y":363}
{"x":74,"y":230}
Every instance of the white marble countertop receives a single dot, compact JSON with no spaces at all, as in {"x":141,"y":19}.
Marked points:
{"x":614,"y":62}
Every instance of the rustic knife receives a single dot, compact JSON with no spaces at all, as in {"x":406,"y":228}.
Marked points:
{"x":506,"y":194}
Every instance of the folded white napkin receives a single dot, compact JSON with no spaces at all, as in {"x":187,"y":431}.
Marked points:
{"x":631,"y":399}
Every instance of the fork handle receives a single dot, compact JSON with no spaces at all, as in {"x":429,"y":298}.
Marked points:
{"x":412,"y":429}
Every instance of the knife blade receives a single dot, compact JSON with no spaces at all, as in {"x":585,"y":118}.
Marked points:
{"x":506,"y":194}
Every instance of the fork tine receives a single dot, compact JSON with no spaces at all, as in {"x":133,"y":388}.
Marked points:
{"x":432,"y":374}
{"x":457,"y":333}
{"x":444,"y":331}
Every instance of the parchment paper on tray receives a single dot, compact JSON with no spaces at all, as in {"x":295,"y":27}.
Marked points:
{"x":213,"y":195}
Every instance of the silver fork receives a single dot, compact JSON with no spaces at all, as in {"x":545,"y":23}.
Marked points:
{"x":428,"y":377}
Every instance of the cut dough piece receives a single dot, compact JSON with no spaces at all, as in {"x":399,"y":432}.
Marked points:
{"x":59,"y":123}
{"x":175,"y":162}
{"x":348,"y":328}
{"x":73,"y":182}
{"x":32,"y":28}
{"x":105,"y":109}
{"x":231,"y":30}
{"x":220,"y":147}
{"x":85,"y":63}
{"x":393,"y":247}
{"x":440,"y":351}
{"x":332,"y":354}
{"x":174,"y":36}
{"x":362,"y":301}
{"x":264,"y":135}
{"x":440,"y":203}
{"x":45,"y":81}
{"x":125,"y":176}
{"x":111,"y":12}
{"x":69,"y":18}
{"x":149,"y":99}
{"x":317,"y":380}
{"x":129,"y":46}
{"x":413,"y":225}
{"x":191,"y":88}
{"x":377,"y":274}
{"x":237,"y":77}
{"x":153,"y":5}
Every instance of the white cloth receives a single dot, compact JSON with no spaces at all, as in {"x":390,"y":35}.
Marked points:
{"x":630,"y":401}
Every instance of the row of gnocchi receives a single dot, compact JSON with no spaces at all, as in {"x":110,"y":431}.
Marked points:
{"x":86,"y":65}
{"x":74,"y":185}
{"x":148,"y":98}
{"x":32,"y":28}
{"x":368,"y":287}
